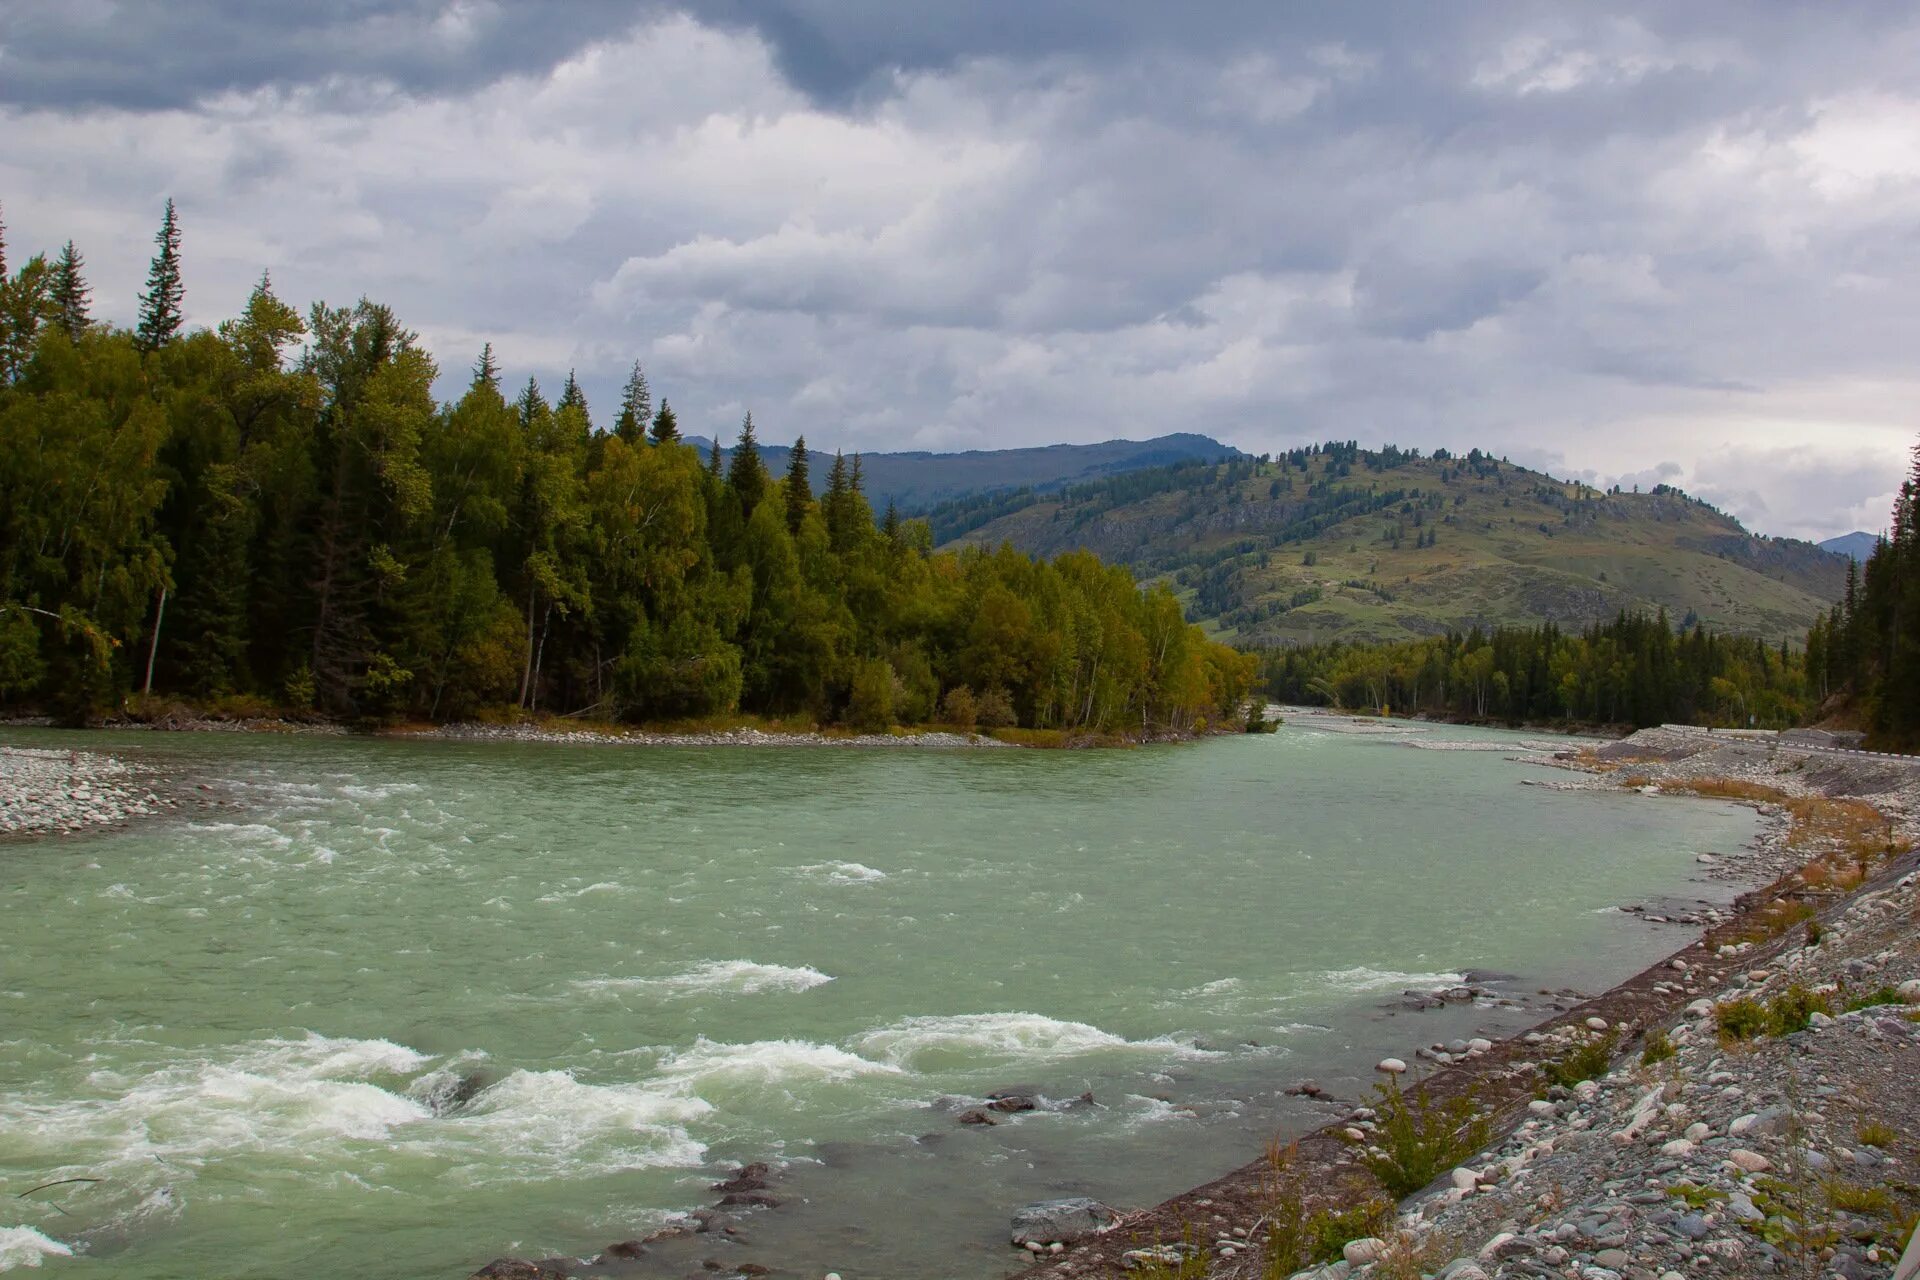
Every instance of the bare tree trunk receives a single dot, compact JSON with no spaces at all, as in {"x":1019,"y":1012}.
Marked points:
{"x":526,"y":671}
{"x":539,"y":657}
{"x":153,"y":647}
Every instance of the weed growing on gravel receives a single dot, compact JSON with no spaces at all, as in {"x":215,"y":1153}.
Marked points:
{"x":1696,"y":1197}
{"x":1748,"y":1019}
{"x":1659,"y":1048}
{"x":1885,"y":995}
{"x":1589,"y":1062}
{"x":1419,"y":1139}
{"x":1850,"y":1197}
{"x":1296,"y":1238}
{"x":1875,"y":1134}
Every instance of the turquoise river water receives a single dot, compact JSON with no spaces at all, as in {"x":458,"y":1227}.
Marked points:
{"x":652,"y":963}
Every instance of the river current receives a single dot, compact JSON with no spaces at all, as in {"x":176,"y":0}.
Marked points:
{"x":408,"y":1006}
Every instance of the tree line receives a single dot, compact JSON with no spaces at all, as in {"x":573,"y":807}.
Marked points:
{"x":1867,"y":648}
{"x":278,"y":510}
{"x":1635,"y":670}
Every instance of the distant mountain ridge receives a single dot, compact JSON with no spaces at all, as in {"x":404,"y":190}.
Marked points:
{"x":919,"y":480}
{"x":1855,"y":546}
{"x":1336,"y":542}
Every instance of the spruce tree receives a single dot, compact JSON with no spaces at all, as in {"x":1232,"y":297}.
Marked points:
{"x":70,"y":293}
{"x":714,"y":471}
{"x":636,"y":408}
{"x":834,"y":505}
{"x":572,"y":397}
{"x":747,"y":476}
{"x":799,"y":487}
{"x":160,"y":304}
{"x":531,"y":404}
{"x":486,"y":372}
{"x":666,"y":427}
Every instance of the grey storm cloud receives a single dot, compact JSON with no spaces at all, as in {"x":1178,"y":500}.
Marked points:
{"x":1659,"y":239}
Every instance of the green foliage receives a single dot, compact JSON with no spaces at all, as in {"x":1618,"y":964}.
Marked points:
{"x":1746,"y":1018}
{"x":1418,"y":1139}
{"x":1658,"y":1048}
{"x":1298,"y":1239}
{"x":1635,"y":670}
{"x":1875,"y":1134}
{"x":283,"y":503}
{"x":1873,"y":999}
{"x":1591,"y":1060}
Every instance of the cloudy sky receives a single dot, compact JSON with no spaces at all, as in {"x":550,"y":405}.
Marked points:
{"x":1656,"y":242}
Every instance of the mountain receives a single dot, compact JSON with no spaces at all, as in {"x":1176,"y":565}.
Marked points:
{"x":1856,"y":545}
{"x":917,"y":481}
{"x":1337,"y":542}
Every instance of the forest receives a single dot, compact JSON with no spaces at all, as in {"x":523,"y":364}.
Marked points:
{"x":1859,"y":666}
{"x":277,"y":512}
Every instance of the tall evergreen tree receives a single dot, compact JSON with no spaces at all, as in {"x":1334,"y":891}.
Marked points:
{"x":636,"y":408}
{"x":747,"y":476}
{"x":531,"y":406}
{"x":70,"y":292}
{"x":160,"y":317}
{"x":666,"y":427}
{"x":486,"y":373}
{"x":572,"y":397}
{"x":715,"y":470}
{"x":799,"y":486}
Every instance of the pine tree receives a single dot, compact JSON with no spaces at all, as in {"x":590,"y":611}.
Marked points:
{"x":70,"y":292}
{"x":747,"y":476}
{"x":486,"y":372}
{"x":714,"y":469}
{"x":799,"y":486}
{"x":160,"y":304}
{"x":834,"y":505}
{"x":572,"y":397}
{"x":666,"y":427}
{"x":531,"y":404}
{"x":636,"y":408}
{"x":891,"y":525}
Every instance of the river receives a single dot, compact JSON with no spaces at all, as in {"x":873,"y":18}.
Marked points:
{"x":656,"y":962}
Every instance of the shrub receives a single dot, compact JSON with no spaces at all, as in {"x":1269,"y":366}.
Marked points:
{"x":1590,"y":1061}
{"x":1659,"y":1048}
{"x":1793,"y":1009}
{"x":958,"y":708}
{"x":1741,"y":1019}
{"x":870,"y":708}
{"x":994,"y":709}
{"x":1419,"y":1139}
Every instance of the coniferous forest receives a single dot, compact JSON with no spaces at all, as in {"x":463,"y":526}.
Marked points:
{"x":277,"y":511}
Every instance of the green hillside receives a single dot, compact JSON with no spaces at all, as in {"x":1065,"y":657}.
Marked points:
{"x":1338,"y":542}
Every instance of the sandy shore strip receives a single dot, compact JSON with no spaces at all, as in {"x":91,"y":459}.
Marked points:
{"x":1785,"y":1147}
{"x":46,"y":791}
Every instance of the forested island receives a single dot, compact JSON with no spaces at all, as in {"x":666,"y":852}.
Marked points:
{"x":276,"y":512}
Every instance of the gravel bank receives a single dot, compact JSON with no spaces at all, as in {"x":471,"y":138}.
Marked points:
{"x":727,"y":738}
{"x":1788,"y":1152}
{"x":46,"y":792}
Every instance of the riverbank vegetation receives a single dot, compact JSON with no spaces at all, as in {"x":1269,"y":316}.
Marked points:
{"x":1635,"y":670}
{"x":279,"y":509}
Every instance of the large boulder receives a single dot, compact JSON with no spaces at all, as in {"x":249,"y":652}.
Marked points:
{"x":1065,"y":1221}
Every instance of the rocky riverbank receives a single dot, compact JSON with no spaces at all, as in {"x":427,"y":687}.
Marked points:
{"x":48,"y":792}
{"x":1746,"y":1108}
{"x":747,"y":737}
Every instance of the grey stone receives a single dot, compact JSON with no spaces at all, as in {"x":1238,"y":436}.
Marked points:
{"x":1692,"y":1226}
{"x":1067,"y":1220}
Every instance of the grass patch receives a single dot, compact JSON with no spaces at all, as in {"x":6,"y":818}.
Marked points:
{"x":1748,"y":1019}
{"x":1851,"y":1197}
{"x":1874,"y":999}
{"x":1046,"y":739}
{"x":1418,"y":1139}
{"x":1658,"y":1048}
{"x":1875,"y":1134}
{"x":1588,"y":1062}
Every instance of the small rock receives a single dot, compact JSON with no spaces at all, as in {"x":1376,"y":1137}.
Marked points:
{"x":1064,"y":1221}
{"x":1596,"y":1024}
{"x":1750,"y":1161}
{"x":1392,"y":1066}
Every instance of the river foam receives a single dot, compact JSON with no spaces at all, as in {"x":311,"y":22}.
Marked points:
{"x":25,"y":1247}
{"x":964,"y":1039}
{"x":743,"y":977}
